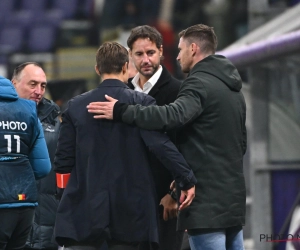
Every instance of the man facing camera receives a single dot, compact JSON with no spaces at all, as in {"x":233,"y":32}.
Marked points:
{"x":146,"y":50}
{"x":30,"y":83}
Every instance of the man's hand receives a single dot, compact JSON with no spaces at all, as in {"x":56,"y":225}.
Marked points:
{"x":170,"y":207}
{"x":102,"y":109}
{"x":186,"y":197}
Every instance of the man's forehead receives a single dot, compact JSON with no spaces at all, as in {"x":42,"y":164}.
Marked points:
{"x":145,"y":48}
{"x":34,"y":72}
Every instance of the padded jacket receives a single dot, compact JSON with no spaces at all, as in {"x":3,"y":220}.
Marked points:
{"x":23,"y":151}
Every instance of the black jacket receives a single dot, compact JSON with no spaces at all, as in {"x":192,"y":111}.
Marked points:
{"x":41,"y":235}
{"x":164,"y":92}
{"x":110,"y":193}
{"x":210,"y":112}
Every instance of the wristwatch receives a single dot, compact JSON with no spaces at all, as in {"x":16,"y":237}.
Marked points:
{"x":173,"y":194}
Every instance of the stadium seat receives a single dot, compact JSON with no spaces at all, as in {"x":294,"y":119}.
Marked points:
{"x":11,"y":39}
{"x":69,"y":7}
{"x":41,"y":38}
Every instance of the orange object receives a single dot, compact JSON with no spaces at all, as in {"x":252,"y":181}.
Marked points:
{"x":21,"y":197}
{"x":62,"y":180}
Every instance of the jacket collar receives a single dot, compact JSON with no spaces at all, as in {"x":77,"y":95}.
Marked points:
{"x":112,"y":83}
{"x":162,"y":80}
{"x":47,"y":111}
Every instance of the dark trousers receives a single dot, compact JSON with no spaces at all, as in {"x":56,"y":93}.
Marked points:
{"x":169,"y":238}
{"x":15,"y":225}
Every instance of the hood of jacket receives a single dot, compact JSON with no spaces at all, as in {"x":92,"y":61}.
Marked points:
{"x":7,"y":90}
{"x":220,"y":67}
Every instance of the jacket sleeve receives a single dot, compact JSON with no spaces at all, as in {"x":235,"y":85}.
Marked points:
{"x":38,"y":156}
{"x":244,"y":131}
{"x":64,"y":159}
{"x":167,"y":153}
{"x":187,"y":107}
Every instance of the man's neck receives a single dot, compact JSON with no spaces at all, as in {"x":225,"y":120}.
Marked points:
{"x":119,"y":77}
{"x":143,"y":80}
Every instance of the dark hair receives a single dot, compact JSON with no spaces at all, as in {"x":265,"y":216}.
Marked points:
{"x":111,"y":57}
{"x":145,"y":31}
{"x":203,"y":35}
{"x":19,"y":68}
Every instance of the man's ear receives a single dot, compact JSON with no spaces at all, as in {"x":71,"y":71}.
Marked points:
{"x":161,"y":51}
{"x":97,"y":70}
{"x":14,"y":82}
{"x":125,"y":68}
{"x":194,"y":48}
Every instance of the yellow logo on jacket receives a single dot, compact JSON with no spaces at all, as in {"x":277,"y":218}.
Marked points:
{"x":22,"y":197}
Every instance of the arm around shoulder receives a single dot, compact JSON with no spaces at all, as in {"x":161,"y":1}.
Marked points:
{"x":187,"y":107}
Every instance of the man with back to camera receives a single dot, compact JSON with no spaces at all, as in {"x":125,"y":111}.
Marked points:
{"x":23,"y":159}
{"x":210,"y":112}
{"x":146,"y":51}
{"x":30,"y":82}
{"x":110,"y":196}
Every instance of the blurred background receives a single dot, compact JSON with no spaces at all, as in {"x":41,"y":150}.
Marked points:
{"x":262,"y":39}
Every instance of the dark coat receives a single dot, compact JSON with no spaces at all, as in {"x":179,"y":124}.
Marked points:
{"x":164,"y":92}
{"x":41,"y":235}
{"x":110,"y":193}
{"x":210,"y":112}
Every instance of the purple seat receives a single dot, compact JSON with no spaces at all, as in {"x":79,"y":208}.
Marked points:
{"x":3,"y":58}
{"x":69,"y":7}
{"x":52,"y":17}
{"x":11,"y":39}
{"x":6,"y":6}
{"x":41,"y":38}
{"x":34,"y":5}
{"x":22,"y":18}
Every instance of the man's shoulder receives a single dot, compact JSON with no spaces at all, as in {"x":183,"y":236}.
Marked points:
{"x":27,"y":106}
{"x":167,"y":78}
{"x":46,"y":103}
{"x":26,"y":102}
{"x":139,"y":97}
{"x":83,"y":96}
{"x":129,"y":84}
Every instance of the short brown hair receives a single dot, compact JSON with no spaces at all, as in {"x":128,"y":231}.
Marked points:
{"x":204,"y":35}
{"x":111,"y":57}
{"x":145,"y":31}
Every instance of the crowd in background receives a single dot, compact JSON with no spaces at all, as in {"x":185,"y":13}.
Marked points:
{"x":169,"y":17}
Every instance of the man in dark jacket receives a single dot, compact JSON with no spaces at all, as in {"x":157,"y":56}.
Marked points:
{"x":110,"y":195}
{"x":23,"y":159}
{"x":146,"y":51}
{"x":30,"y":82}
{"x":210,"y":112}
